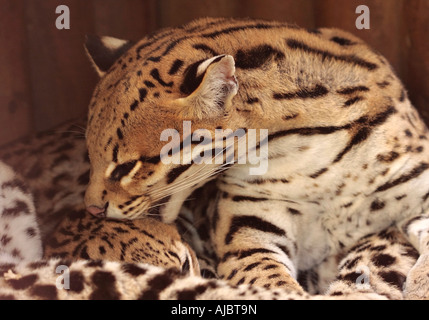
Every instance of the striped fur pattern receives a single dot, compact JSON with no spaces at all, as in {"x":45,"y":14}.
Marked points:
{"x":348,"y":153}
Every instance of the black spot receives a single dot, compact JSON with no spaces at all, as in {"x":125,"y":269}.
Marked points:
{"x":77,"y":281}
{"x":142,"y":94}
{"x":383,"y":260}
{"x":342,"y":41}
{"x":192,"y":293}
{"x":31,"y":232}
{"x":408,"y":133}
{"x":305,"y":93}
{"x":388,"y":157}
{"x":155,"y":74}
{"x":159,"y":283}
{"x":351,"y":90}
{"x":48,"y":292}
{"x":119,"y":134}
{"x":271,"y":266}
{"x":232,"y":274}
{"x":115,"y":153}
{"x":19,"y":208}
{"x":290,"y":117}
{"x":133,"y":269}
{"x":205,"y":48}
{"x":383,"y":84}
{"x":352,"y":263}
{"x":24,"y":282}
{"x":102,"y":250}
{"x":393,"y":278}
{"x":350,"y":277}
{"x":252,"y":266}
{"x":294,"y":211}
{"x":175,"y":67}
{"x":245,"y":198}
{"x":319,"y":173}
{"x":377,"y":205}
{"x":16,"y":184}
{"x":105,"y":286}
{"x":134,"y":105}
{"x":149,"y":84}
{"x":252,"y":100}
{"x":255,"y":57}
{"x":402,"y":96}
{"x":126,"y":115}
{"x":351,"y":101}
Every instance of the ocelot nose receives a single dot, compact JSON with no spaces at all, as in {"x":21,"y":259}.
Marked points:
{"x":96,"y":211}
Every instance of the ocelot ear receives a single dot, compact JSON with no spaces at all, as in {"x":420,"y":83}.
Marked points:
{"x":104,"y":51}
{"x":210,"y":86}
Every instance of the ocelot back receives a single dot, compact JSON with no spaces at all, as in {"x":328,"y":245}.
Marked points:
{"x":348,"y":155}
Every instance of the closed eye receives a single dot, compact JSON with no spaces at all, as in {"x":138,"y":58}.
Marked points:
{"x":122,"y":170}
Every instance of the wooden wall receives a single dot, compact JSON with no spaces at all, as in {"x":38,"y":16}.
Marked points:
{"x":46,"y":79}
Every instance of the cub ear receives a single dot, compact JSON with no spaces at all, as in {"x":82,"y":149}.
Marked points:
{"x":210,"y":85}
{"x":104,"y":51}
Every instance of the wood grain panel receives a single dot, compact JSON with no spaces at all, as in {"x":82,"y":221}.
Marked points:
{"x":61,"y":77}
{"x":173,"y":13}
{"x":126,"y":19}
{"x":292,"y":11}
{"x":15,"y":98}
{"x":416,"y":45}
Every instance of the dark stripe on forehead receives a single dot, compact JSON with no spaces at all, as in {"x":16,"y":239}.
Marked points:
{"x":352,"y":59}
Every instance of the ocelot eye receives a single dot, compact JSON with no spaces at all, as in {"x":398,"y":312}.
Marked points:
{"x":122,"y":170}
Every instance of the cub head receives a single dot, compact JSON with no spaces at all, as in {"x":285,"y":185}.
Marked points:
{"x":139,"y":126}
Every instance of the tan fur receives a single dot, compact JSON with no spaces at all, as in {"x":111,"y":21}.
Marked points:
{"x":82,"y":236}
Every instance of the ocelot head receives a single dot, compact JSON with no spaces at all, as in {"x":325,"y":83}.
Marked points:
{"x":139,"y":126}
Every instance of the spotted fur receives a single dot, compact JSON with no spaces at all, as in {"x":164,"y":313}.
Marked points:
{"x":348,"y":154}
{"x":19,"y":232}
{"x":81,"y":236}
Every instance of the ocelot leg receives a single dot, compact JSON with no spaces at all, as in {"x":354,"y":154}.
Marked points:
{"x":377,"y":264}
{"x":251,"y":249}
{"x":416,"y":230}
